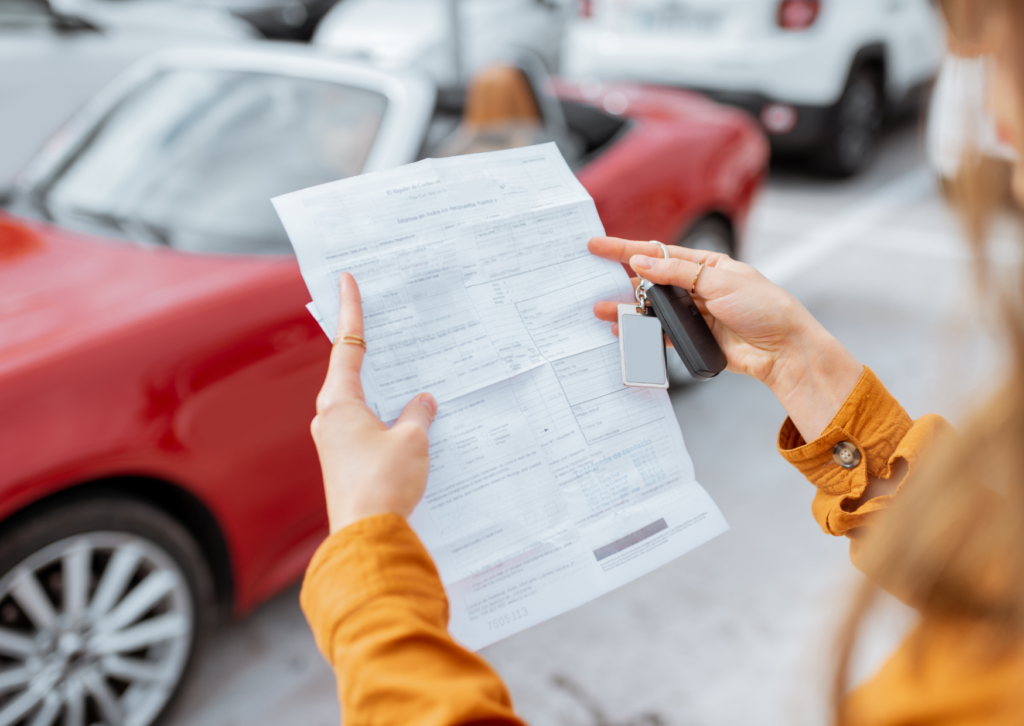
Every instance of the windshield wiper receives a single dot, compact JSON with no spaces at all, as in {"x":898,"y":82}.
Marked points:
{"x":131,"y":228}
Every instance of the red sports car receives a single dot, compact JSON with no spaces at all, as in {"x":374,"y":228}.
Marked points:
{"x":158,"y":369}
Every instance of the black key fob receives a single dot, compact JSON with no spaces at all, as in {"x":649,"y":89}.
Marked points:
{"x":688,"y":331}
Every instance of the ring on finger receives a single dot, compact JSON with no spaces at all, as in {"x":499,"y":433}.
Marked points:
{"x":353,"y":340}
{"x":693,"y":287}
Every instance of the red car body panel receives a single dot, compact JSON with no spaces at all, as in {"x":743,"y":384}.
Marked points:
{"x":201,"y":371}
{"x":683,"y":158}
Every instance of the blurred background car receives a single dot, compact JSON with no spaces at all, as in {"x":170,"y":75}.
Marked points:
{"x":818,"y":74}
{"x":280,"y":19}
{"x":449,"y":39}
{"x":196,"y":20}
{"x":158,"y":369}
{"x":55,"y":55}
{"x":275,"y":19}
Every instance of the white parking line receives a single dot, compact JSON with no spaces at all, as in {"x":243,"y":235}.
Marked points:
{"x":819,"y":243}
{"x":952,"y":245}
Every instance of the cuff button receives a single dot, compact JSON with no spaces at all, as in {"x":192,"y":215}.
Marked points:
{"x":846,"y":454}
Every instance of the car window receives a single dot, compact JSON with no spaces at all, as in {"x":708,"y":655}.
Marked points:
{"x":193,"y":158}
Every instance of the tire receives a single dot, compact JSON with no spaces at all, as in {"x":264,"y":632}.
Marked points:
{"x":115,"y":644}
{"x":853,"y":124}
{"x":714,"y":235}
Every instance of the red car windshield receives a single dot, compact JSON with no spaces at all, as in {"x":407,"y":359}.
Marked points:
{"x":192,"y":158}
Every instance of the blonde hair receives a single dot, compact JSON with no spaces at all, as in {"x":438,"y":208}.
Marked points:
{"x":953,"y":543}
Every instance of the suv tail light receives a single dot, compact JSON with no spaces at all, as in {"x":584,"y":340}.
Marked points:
{"x":798,"y":14}
{"x":585,"y":8}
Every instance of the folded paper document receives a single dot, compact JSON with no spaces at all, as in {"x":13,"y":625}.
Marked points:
{"x":550,"y":482}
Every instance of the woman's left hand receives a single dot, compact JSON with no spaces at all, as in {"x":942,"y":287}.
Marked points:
{"x":368,"y":469}
{"x":764,"y":331}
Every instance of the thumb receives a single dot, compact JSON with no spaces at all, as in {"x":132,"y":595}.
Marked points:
{"x":420,"y":411}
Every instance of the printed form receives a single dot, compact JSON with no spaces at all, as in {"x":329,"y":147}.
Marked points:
{"x":550,"y":482}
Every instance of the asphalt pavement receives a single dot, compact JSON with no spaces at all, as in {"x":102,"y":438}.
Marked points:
{"x":740,"y":630}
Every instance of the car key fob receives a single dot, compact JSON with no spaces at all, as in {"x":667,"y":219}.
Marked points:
{"x":687,"y":329}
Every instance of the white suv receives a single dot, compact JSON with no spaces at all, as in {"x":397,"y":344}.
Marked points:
{"x":819,"y":74}
{"x":398,"y":33}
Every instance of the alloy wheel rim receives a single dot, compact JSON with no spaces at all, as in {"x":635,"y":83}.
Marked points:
{"x":95,"y":628}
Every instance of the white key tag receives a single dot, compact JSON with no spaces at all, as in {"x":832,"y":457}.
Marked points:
{"x":641,"y":345}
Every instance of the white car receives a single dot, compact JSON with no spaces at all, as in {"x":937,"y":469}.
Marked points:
{"x":400,"y":33}
{"x":192,"y":20}
{"x":819,"y":74}
{"x":57,"y":54}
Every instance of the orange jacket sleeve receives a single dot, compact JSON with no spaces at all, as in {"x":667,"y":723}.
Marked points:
{"x":379,"y":614}
{"x":940,"y":674}
{"x":873,"y":421}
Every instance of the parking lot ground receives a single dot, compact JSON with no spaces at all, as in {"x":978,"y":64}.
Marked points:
{"x":741,"y":630}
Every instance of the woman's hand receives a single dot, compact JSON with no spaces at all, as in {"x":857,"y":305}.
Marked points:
{"x":368,"y":468}
{"x":763,"y":330}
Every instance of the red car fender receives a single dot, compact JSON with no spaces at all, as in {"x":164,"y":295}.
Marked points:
{"x":667,"y":172}
{"x":169,"y":395}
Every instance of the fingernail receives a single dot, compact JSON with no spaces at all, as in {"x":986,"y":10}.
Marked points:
{"x":641,"y":262}
{"x":428,"y":402}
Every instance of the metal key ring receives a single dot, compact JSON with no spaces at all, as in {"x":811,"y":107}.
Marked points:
{"x":664,"y":251}
{"x":641,"y":289}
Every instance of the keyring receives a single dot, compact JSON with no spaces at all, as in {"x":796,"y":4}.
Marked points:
{"x":664,"y":251}
{"x":641,"y":289}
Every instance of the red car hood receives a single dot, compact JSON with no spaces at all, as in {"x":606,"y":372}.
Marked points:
{"x":58,"y":289}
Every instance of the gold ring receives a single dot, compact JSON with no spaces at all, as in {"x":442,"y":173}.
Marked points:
{"x":353,"y":340}
{"x":693,"y":287}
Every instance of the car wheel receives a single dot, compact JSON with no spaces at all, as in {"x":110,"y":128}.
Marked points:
{"x":711,"y":234}
{"x":101,"y":603}
{"x":714,"y":235}
{"x":853,"y":125}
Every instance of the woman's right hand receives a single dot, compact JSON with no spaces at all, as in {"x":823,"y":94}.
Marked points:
{"x":764,"y":331}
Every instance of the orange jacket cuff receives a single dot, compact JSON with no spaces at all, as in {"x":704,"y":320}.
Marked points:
{"x":369,"y":559}
{"x":873,"y":421}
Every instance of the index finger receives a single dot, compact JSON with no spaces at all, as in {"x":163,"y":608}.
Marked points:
{"x":347,"y":357}
{"x":622,"y":250}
